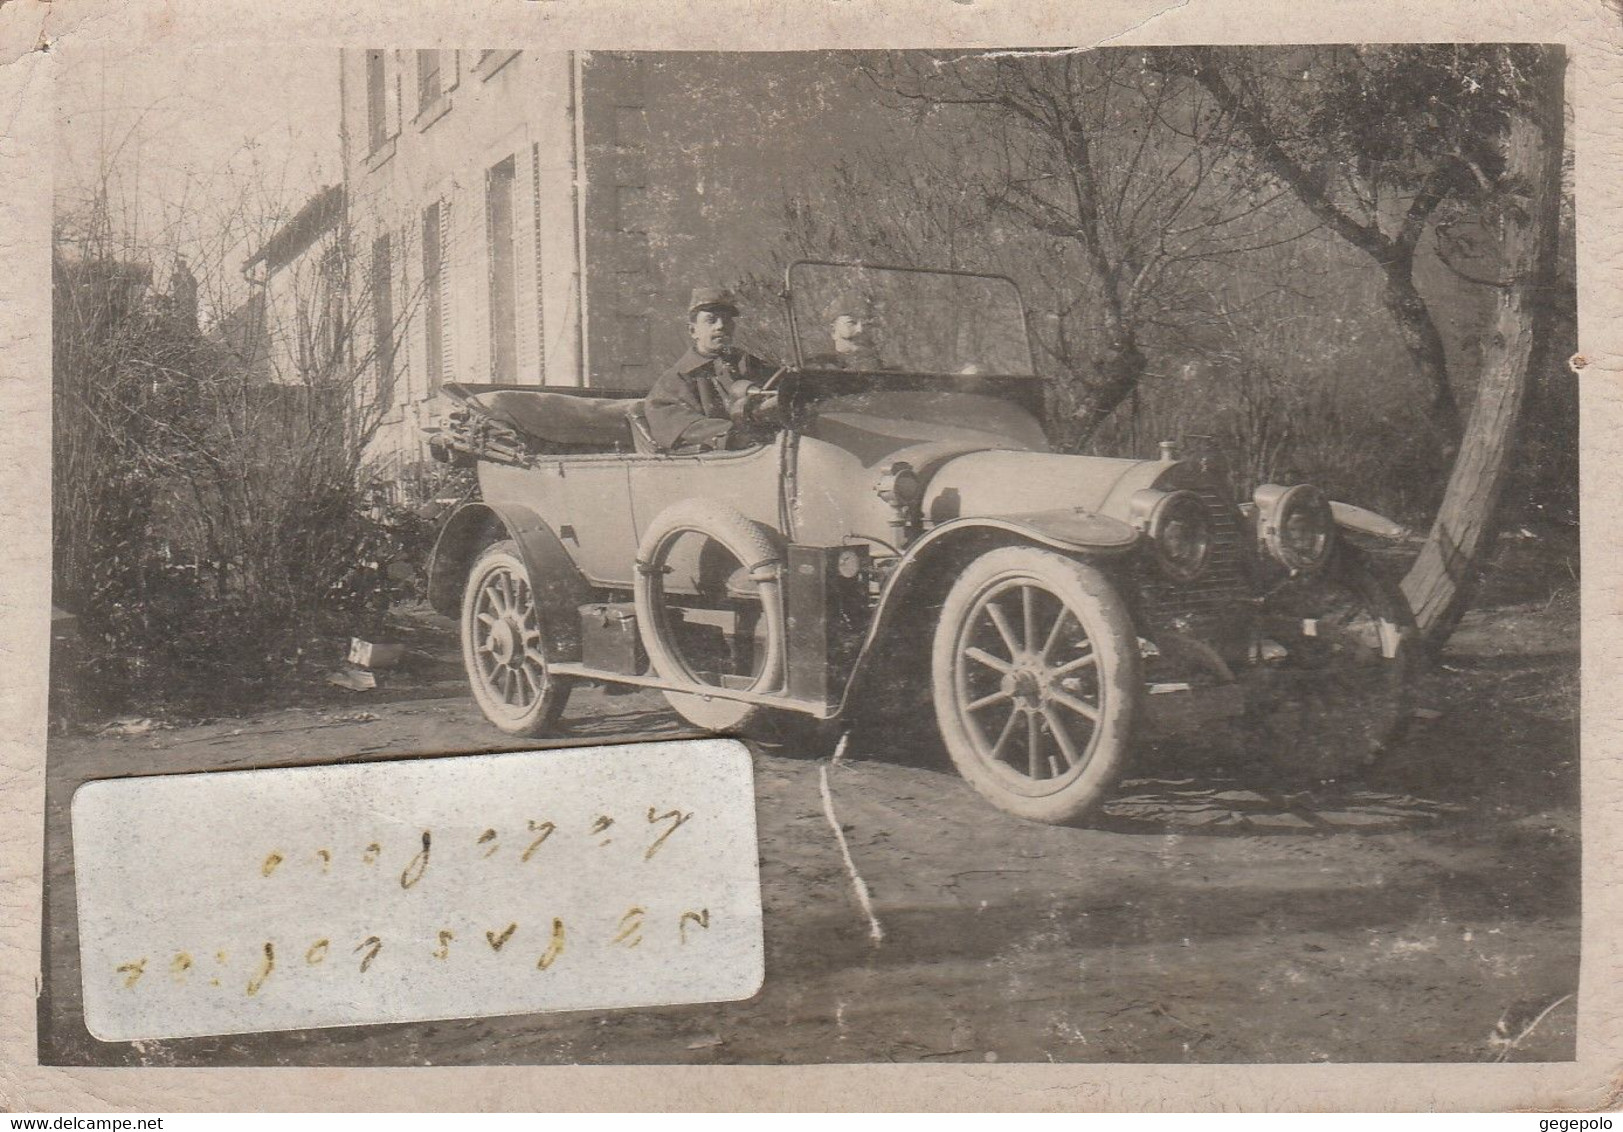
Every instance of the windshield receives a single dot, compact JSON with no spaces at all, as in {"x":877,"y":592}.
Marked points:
{"x":891,"y":319}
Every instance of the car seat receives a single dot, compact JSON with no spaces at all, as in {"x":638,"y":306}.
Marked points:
{"x":642,"y":437}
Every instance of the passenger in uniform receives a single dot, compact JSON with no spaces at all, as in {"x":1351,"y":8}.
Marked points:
{"x":712,"y":397}
{"x":854,"y":327}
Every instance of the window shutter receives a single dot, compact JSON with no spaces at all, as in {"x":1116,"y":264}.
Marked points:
{"x":433,"y":299}
{"x":377,"y":120}
{"x":402,"y":241}
{"x":430,"y":82}
{"x":447,"y":296}
{"x":527,"y":241}
{"x":395,"y":93}
{"x":383,"y":338}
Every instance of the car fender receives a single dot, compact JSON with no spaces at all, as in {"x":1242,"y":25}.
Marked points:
{"x":1069,"y":529}
{"x":1353,"y":518}
{"x":557,"y":583}
{"x":1348,"y":517}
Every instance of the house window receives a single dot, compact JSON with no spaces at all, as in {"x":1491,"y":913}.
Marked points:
{"x":329,"y":330}
{"x":319,"y":315}
{"x":429,"y":85}
{"x":377,"y":100}
{"x":434,"y":296}
{"x":503,"y":296}
{"x":383,"y":321}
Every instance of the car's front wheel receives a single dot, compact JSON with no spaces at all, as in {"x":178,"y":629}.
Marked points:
{"x":1037,"y":682}
{"x":502,"y":647}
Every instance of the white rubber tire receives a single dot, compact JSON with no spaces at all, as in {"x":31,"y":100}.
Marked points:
{"x":502,"y":652}
{"x":759,"y":549}
{"x":1049,"y":762}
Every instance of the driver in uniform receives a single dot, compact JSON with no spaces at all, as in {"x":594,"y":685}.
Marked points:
{"x":712,"y":397}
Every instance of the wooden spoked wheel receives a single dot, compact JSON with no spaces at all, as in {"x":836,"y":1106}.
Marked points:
{"x":502,"y":648}
{"x":1037,"y":682}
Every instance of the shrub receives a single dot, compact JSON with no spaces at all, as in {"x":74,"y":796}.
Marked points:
{"x":208,"y":524}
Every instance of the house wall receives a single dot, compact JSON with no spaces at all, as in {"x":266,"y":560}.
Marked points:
{"x":682,"y":158}
{"x":488,"y":163}
{"x":686,"y":160}
{"x":617,"y":219}
{"x":301,"y":308}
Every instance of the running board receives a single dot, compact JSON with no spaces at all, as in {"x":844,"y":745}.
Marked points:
{"x":704,"y":691}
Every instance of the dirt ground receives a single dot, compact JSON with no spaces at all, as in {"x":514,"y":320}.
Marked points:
{"x":1426,"y":911}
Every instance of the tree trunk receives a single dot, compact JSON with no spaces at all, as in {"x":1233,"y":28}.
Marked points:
{"x":1424,"y":343}
{"x":1443,"y":580}
{"x":1118,"y":372}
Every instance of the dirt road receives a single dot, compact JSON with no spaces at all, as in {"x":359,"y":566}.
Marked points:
{"x":1427,"y":912}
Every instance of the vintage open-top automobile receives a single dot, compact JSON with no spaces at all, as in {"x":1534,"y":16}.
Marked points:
{"x":910,"y":522}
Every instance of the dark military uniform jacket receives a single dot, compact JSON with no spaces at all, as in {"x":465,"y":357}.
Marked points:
{"x":865,"y":360}
{"x":691,"y":402}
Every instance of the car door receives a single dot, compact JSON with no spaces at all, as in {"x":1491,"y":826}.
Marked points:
{"x":599,"y":533}
{"x":748,"y":481}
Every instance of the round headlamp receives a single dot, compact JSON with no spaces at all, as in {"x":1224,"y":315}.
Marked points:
{"x":1296,"y":525}
{"x":1179,"y":530}
{"x":900,"y":486}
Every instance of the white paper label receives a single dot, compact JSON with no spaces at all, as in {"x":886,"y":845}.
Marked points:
{"x":460,"y":887}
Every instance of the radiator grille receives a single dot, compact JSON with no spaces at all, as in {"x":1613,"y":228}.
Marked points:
{"x":1217,"y":601}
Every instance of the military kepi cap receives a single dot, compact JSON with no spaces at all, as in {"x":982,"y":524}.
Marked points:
{"x":852,"y":303}
{"x":713,"y":298}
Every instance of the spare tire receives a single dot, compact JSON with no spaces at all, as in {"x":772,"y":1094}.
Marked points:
{"x":758,"y":551}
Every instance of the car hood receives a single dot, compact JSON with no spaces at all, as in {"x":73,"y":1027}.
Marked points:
{"x":998,"y":483}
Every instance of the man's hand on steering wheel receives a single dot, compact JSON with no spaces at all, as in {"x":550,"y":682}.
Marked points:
{"x":750,"y":404}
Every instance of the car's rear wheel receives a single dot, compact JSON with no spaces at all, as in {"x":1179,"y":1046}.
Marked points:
{"x":502,"y":646}
{"x":1037,"y":682}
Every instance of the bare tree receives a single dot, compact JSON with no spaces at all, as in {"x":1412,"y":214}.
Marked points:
{"x":1108,"y":186}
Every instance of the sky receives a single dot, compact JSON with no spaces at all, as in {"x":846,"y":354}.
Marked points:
{"x":192,"y":139}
